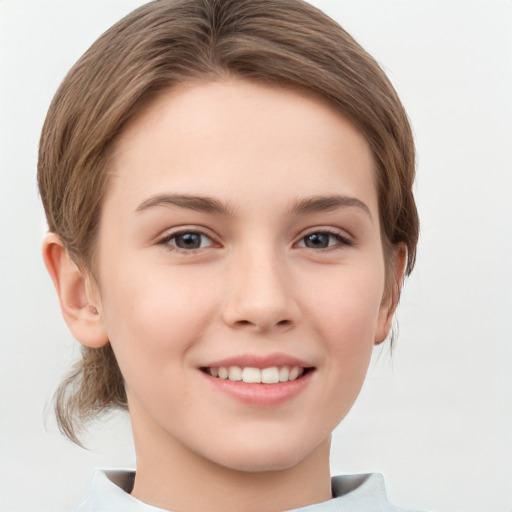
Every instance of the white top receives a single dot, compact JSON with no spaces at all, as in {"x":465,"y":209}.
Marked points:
{"x":110,"y":492}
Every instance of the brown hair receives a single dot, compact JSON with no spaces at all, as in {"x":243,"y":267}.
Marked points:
{"x":166,"y":42}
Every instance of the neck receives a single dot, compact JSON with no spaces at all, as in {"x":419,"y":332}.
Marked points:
{"x":172,"y":477}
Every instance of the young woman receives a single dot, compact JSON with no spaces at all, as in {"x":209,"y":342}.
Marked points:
{"x":228,"y":189}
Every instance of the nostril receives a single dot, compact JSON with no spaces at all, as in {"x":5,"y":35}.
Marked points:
{"x":245,"y":323}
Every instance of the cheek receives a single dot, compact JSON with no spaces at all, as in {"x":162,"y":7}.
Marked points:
{"x":346,"y":318}
{"x":345,"y":315}
{"x":347,"y":305}
{"x":153,"y":314}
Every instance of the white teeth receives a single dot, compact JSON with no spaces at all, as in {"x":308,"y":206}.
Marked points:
{"x":270,"y":375}
{"x":235,"y":373}
{"x":294,"y":373}
{"x":284,"y":373}
{"x":250,"y":375}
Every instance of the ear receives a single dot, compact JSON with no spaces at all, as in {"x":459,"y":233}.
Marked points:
{"x":390,"y":300}
{"x":79,"y":299}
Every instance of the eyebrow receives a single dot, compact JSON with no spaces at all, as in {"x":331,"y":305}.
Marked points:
{"x":210,"y":205}
{"x":192,"y":202}
{"x":326,"y":203}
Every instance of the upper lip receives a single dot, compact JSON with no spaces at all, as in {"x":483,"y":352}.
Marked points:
{"x":258,"y":361}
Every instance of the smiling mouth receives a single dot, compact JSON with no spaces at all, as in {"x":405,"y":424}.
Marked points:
{"x":251,"y":375}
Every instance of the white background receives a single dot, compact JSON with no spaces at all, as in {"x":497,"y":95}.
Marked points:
{"x":436,"y":418}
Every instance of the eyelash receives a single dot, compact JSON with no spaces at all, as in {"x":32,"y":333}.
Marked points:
{"x":171,"y":247}
{"x":341,"y":241}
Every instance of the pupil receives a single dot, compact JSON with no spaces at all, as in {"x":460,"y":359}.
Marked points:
{"x":189,"y":241}
{"x":316,"y":240}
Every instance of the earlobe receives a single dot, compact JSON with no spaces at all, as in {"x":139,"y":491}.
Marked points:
{"x":390,"y":301}
{"x":81,"y":311}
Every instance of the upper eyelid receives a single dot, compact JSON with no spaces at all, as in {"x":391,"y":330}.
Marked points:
{"x":164,"y":241}
{"x":326,"y":229}
{"x":344,"y":239}
{"x":202,"y":230}
{"x":172,"y":232}
{"x":322,"y":229}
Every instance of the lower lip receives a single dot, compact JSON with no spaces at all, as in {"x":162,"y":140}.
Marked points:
{"x":261,"y":394}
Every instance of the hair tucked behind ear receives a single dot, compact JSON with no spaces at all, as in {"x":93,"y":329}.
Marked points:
{"x":168,"y":42}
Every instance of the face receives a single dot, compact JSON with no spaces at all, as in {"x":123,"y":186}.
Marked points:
{"x":240,"y":239}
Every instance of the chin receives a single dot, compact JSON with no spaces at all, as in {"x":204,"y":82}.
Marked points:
{"x":264,"y":465}
{"x":258,"y":459}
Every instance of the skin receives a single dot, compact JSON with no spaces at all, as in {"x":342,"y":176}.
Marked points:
{"x":255,"y":285}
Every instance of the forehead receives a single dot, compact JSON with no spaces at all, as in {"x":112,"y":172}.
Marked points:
{"x":232,"y":137}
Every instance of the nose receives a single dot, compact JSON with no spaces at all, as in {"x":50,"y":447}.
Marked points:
{"x":261,"y":294}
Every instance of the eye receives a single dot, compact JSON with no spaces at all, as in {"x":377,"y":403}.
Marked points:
{"x":323,"y":240}
{"x":187,"y":240}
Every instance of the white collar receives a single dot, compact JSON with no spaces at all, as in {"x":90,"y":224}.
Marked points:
{"x":110,"y":492}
